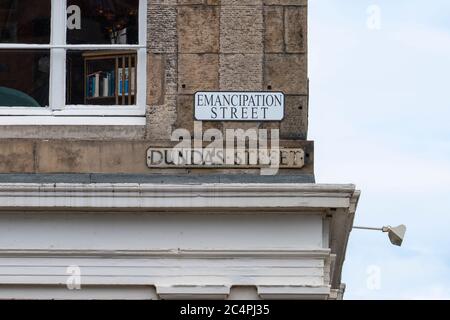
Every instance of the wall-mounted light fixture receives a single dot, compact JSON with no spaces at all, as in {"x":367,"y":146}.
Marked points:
{"x":396,"y":234}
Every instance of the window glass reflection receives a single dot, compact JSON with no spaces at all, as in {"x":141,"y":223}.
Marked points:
{"x":25,"y":21}
{"x":24,"y":78}
{"x":102,"y":21}
{"x":98,"y":77}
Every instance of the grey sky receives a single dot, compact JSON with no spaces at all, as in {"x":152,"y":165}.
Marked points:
{"x":380,"y":116}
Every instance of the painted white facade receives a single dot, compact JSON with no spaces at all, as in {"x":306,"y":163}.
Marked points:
{"x":160,"y":241}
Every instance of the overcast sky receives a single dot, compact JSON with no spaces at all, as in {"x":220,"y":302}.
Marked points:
{"x":380,"y":116}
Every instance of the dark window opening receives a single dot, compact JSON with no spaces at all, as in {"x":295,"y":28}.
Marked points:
{"x":104,"y":22}
{"x":24,"y":78}
{"x":25,"y":21}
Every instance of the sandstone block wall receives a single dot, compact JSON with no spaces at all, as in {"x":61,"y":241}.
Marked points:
{"x":210,"y":45}
{"x":192,"y":45}
{"x":223,"y":45}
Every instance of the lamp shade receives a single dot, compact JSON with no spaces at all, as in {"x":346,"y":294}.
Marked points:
{"x":397,"y":234}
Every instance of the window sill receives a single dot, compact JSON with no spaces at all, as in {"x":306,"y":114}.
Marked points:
{"x":74,"y":115}
{"x":51,"y":120}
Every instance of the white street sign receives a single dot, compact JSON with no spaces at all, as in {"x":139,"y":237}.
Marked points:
{"x":239,"y":106}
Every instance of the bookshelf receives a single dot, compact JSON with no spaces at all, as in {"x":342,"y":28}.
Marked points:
{"x":110,"y":78}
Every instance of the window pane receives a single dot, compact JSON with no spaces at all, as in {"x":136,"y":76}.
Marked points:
{"x":25,"y":21}
{"x":24,"y":78}
{"x":101,"y":77}
{"x":102,"y":21}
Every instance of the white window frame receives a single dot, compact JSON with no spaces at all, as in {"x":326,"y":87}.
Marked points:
{"x":58,"y":113}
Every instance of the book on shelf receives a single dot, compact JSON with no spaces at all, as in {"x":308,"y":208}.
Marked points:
{"x":133,"y":81}
{"x":97,"y":85}
{"x":105,"y":92}
{"x":100,"y":84}
{"x":126,"y":81}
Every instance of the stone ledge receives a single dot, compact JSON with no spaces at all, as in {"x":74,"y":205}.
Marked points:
{"x":22,"y":156}
{"x":152,"y":178}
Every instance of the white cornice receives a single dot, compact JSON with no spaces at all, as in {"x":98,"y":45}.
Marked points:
{"x":339,"y":202}
{"x":275,"y":254}
{"x":294,"y":292}
{"x":179,"y":196}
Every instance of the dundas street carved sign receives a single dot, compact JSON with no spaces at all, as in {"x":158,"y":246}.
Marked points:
{"x":239,"y":106}
{"x":283,"y":158}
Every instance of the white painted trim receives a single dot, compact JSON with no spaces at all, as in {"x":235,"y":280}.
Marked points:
{"x":284,"y":272}
{"x":72,"y":46}
{"x":142,"y":56}
{"x":83,"y":110}
{"x":58,"y":22}
{"x":141,"y":77}
{"x":193,"y":292}
{"x":60,"y":292}
{"x":181,"y":253}
{"x":74,"y":110}
{"x":175,"y":275}
{"x":50,"y":120}
{"x":57,"y":94}
{"x":318,"y":190}
{"x":29,"y":111}
{"x":273,"y":197}
{"x":143,"y":24}
{"x":293,"y":292}
{"x":147,"y":292}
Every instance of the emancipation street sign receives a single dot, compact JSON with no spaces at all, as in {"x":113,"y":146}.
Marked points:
{"x":239,"y":106}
